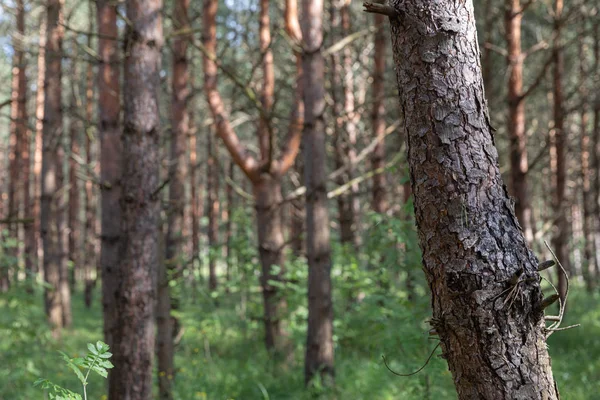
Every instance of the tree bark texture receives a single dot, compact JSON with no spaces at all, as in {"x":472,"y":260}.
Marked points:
{"x":111,"y":161}
{"x":134,"y":336}
{"x":319,"y":357}
{"x":471,"y":241}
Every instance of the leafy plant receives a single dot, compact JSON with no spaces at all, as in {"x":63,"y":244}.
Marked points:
{"x":95,"y":360}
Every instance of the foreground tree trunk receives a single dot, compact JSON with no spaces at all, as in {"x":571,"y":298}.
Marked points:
{"x":109,"y":105}
{"x":319,"y":339}
{"x":471,"y":240}
{"x":134,"y":325}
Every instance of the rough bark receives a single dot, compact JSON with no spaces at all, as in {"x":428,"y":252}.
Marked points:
{"x":134,"y":336}
{"x":109,"y":105}
{"x":379,"y":200}
{"x":51,"y":174}
{"x":561,"y":234}
{"x":471,"y":241}
{"x":319,"y":340}
{"x":516,"y":116}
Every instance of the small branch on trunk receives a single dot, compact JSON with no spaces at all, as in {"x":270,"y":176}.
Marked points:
{"x":383,"y":9}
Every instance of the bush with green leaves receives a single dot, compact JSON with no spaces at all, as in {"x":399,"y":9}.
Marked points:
{"x":95,"y":360}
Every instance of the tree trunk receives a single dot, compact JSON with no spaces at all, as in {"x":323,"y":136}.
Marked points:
{"x":516,"y":116}
{"x":596,"y":154}
{"x":267,"y":193}
{"x":350,"y":129}
{"x":560,"y":239}
{"x":470,"y":238}
{"x":134,"y":337}
{"x":195,"y":202}
{"x":90,"y":261}
{"x":380,"y":204}
{"x":51,"y":175}
{"x":587,"y":217}
{"x":229,"y":222}
{"x":73,"y":208}
{"x":37,"y":158}
{"x":212,"y":198}
{"x":173,"y":260}
{"x":319,"y":339}
{"x":344,"y":204}
{"x":109,"y":105}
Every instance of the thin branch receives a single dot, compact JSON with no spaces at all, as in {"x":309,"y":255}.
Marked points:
{"x":417,"y":371}
{"x":538,"y":79}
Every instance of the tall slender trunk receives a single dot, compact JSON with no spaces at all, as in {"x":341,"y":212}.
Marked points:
{"x":469,"y":235}
{"x":73,"y":207}
{"x":587,"y":217}
{"x":229,"y":222}
{"x":173,"y":261}
{"x":194,"y":199}
{"x":596,"y":154}
{"x":560,"y":239}
{"x":90,"y":261}
{"x":24,"y":135}
{"x":516,"y":116}
{"x":51,"y":175}
{"x":379,"y":199}
{"x":319,"y":339}
{"x":344,"y":204}
{"x":212,"y":198}
{"x":37,"y":157}
{"x":350,"y":129}
{"x":111,"y":161}
{"x":134,"y":325}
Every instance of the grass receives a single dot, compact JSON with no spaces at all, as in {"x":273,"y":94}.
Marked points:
{"x":221,"y":355}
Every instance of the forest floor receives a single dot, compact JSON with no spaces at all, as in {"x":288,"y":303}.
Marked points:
{"x":221,"y":353}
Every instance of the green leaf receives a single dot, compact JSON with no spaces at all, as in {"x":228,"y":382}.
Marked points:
{"x":92,"y":349}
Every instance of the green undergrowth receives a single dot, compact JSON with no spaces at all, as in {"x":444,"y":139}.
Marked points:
{"x":221,"y":354}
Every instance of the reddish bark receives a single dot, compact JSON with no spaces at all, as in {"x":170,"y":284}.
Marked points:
{"x":109,"y":105}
